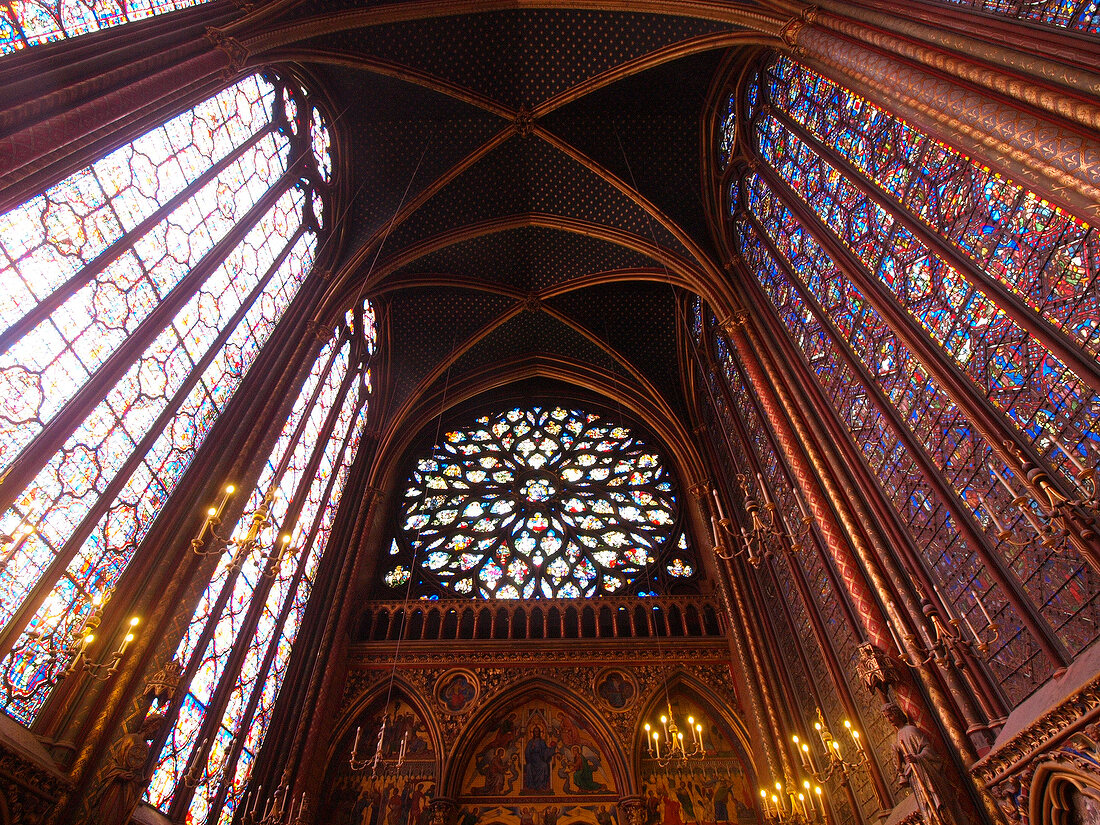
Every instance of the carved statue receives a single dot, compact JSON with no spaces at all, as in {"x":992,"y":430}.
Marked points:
{"x":126,"y":775}
{"x":922,"y":771}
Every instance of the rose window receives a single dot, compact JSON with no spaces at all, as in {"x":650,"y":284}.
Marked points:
{"x":539,"y":502}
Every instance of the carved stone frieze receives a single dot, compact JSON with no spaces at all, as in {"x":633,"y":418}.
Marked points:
{"x":1065,"y":739}
{"x":30,"y":791}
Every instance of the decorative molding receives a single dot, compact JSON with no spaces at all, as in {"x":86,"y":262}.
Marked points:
{"x":29,"y":790}
{"x":1056,"y":724}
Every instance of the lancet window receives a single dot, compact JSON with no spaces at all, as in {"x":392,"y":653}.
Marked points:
{"x":137,"y":294}
{"x":237,"y":645}
{"x":539,"y":502}
{"x":25,"y":23}
{"x":1077,"y":15}
{"x":869,"y":241}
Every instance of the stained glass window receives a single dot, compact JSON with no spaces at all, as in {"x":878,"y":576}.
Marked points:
{"x":257,"y":596}
{"x":136,"y":294}
{"x":1082,"y":15}
{"x":540,"y":502}
{"x":828,"y":148}
{"x":26,"y":23}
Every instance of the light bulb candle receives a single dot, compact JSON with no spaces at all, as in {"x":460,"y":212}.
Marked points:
{"x":775,"y":804}
{"x":226,"y":493}
{"x":648,"y":740}
{"x":992,"y":515}
{"x":779,"y":791}
{"x":699,"y":735}
{"x":355,"y":747}
{"x":970,"y":627}
{"x":820,"y":799}
{"x":718,"y":504}
{"x":764,"y":490}
{"x":805,"y":810}
{"x":981,"y":606}
{"x":657,"y":743}
{"x":821,"y":735}
{"x":764,"y":801}
{"x":1071,"y":455}
{"x":714,"y":531}
{"x":1003,"y":481}
{"x":691,"y":727}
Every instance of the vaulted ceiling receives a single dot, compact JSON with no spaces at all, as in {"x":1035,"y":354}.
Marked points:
{"x":525,"y":188}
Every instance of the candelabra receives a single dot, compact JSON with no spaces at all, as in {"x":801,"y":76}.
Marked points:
{"x":378,"y":760}
{"x":1053,"y":517}
{"x":673,"y":746}
{"x":766,"y":525}
{"x":208,"y":542}
{"x":84,"y":637}
{"x":834,"y":762}
{"x":279,"y":809}
{"x":804,"y":807}
{"x":947,"y":642}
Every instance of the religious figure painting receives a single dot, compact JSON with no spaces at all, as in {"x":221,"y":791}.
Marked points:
{"x":539,"y":750}
{"x":456,"y":691}
{"x":616,"y":689}
{"x":536,"y":813}
{"x":358,"y":798}
{"x":719,"y":787}
{"x":400,"y":723}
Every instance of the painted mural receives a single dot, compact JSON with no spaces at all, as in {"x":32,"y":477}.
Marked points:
{"x":538,"y":751}
{"x":718,"y":787}
{"x":392,"y":795}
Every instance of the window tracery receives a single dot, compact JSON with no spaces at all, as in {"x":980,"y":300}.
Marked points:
{"x":259,"y":600}
{"x":150,"y":279}
{"x":25,"y":23}
{"x":886,"y":191}
{"x":539,"y":502}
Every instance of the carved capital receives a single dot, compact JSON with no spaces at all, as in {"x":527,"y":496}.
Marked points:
{"x":319,"y":331}
{"x":234,"y":49}
{"x":633,"y":810}
{"x":737,"y":320}
{"x":442,"y":810}
{"x":791,"y":30}
{"x":700,"y":489}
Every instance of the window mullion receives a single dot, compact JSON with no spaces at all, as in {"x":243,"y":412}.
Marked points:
{"x":14,"y":628}
{"x":215,"y":708}
{"x":1052,"y":339}
{"x":247,"y":716}
{"x":55,"y":299}
{"x":35,"y":454}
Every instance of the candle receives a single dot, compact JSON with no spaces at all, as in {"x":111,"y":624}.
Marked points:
{"x":805,"y":811}
{"x":775,"y":803}
{"x":355,"y":747}
{"x":821,"y":736}
{"x":992,"y":516}
{"x":820,"y":801}
{"x":714,"y":530}
{"x":718,"y":504}
{"x":970,"y":627}
{"x":943,"y":601}
{"x":981,"y":605}
{"x":657,"y":743}
{"x":763,"y":489}
{"x":1004,"y":481}
{"x":664,"y":724}
{"x":808,"y":759}
{"x":1070,"y":454}
{"x":764,"y":801}
{"x":802,"y":507}
{"x":256,"y":800}
{"x":1030,"y":516}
